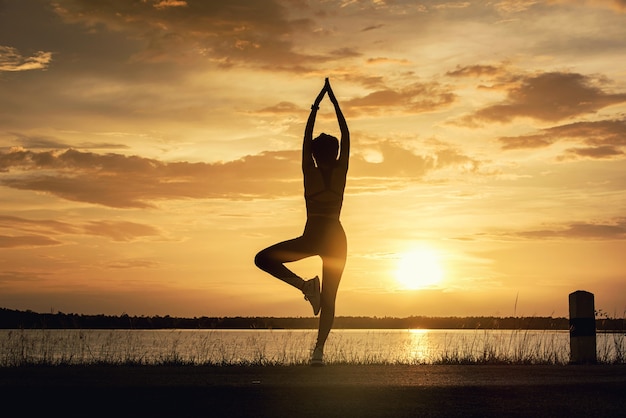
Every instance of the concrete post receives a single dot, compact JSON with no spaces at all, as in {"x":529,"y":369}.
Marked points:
{"x":582,"y":328}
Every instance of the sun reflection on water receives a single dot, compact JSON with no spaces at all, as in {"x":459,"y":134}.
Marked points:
{"x":418,"y":346}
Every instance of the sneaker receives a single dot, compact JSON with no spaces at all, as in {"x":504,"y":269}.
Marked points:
{"x":311,"y":290}
{"x":317,"y":358}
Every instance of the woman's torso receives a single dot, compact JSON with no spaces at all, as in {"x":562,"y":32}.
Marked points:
{"x":323,"y":191}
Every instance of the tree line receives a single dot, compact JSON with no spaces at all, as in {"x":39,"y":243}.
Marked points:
{"x":15,"y":319}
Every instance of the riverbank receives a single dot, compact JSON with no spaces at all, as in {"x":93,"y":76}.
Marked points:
{"x":331,"y":391}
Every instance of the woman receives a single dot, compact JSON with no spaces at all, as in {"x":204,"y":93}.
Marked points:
{"x":324,"y":167}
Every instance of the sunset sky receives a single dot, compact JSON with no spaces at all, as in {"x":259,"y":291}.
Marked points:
{"x":149,"y":149}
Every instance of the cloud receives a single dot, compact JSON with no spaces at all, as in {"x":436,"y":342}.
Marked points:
{"x":584,"y":230}
{"x":281,"y":108}
{"x":609,"y":230}
{"x":40,"y":232}
{"x":452,"y":5}
{"x":603,"y":152}
{"x":415,"y":98}
{"x":345,"y":53}
{"x":602,"y":139}
{"x":475,"y":71}
{"x":134,"y":182}
{"x":26,"y":241}
{"x":394,"y":166}
{"x":225,"y":33}
{"x":120,"y":230}
{"x":514,"y":6}
{"x":11,"y":60}
{"x":548,"y":97}
{"x":130,"y":181}
{"x":385,"y":60}
{"x":37,"y":226}
{"x":526,"y":141}
{"x":368,"y":81}
{"x":47,"y":142}
{"x":372,"y":27}
{"x":133,"y":263}
{"x":169,"y":3}
{"x":618,"y":5}
{"x":396,"y":162}
{"x":37,"y":142}
{"x":10,"y":277}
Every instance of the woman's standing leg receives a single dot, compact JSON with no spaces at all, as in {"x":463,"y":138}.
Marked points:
{"x":333,"y":269}
{"x":333,"y":266}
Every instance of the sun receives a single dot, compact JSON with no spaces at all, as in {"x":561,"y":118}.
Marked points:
{"x":419,"y":268}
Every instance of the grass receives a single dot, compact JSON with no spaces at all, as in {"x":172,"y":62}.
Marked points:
{"x":180,"y":347}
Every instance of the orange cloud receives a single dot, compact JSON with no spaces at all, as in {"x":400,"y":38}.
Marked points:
{"x":47,"y":142}
{"x":475,"y":71}
{"x":10,"y":277}
{"x":602,"y":139}
{"x":169,"y":3}
{"x":582,"y":230}
{"x":608,"y":230}
{"x":548,"y":97}
{"x":133,"y":263}
{"x":42,"y":232}
{"x":526,"y":141}
{"x":26,"y":241}
{"x":119,"y":230}
{"x":120,"y":181}
{"x":281,"y":108}
{"x":385,"y":60}
{"x":618,"y":5}
{"x":415,"y":98}
{"x":225,"y":33}
{"x":372,"y":27}
{"x":374,"y":82}
{"x":134,"y":182}
{"x":603,"y":152}
{"x":11,"y":60}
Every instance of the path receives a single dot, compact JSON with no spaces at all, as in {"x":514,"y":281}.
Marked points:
{"x":331,"y":391}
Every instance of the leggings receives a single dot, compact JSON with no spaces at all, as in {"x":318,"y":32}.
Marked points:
{"x":324,"y":237}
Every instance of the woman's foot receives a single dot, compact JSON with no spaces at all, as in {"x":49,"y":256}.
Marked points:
{"x":317,"y":358}
{"x":311,"y":290}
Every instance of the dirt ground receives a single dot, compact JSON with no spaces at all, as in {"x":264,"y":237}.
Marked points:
{"x":302,"y":391}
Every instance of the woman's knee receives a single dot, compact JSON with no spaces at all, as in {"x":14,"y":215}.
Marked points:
{"x":262,"y":259}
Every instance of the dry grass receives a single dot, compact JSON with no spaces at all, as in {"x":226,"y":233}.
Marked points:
{"x":179,"y":347}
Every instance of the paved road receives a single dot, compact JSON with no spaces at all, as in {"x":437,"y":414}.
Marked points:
{"x":331,"y":391}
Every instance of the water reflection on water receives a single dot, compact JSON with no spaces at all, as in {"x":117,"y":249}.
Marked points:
{"x":293,"y":346}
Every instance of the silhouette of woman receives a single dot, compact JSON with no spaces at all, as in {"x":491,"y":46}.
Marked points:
{"x":324,"y":167}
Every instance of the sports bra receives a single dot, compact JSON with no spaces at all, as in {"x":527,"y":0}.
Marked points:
{"x":326,"y":202}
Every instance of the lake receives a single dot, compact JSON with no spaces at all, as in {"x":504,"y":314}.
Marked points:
{"x":287,"y":347}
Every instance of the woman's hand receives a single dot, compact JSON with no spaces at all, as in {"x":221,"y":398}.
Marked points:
{"x":329,"y":89}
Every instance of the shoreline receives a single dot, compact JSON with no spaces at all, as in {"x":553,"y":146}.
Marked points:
{"x":16,"y":319}
{"x":333,"y":390}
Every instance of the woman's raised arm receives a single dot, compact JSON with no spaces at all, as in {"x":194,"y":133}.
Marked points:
{"x":307,"y":157}
{"x":344,"y":154}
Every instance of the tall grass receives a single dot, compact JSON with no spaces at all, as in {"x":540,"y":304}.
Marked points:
{"x":184,"y":347}
{"x":514,"y":347}
{"x":614,"y":349}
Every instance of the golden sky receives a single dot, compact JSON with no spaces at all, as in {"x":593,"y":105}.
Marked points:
{"x":149,"y":148}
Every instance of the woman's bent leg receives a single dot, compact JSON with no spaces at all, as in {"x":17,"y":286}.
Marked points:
{"x":272,"y":259}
